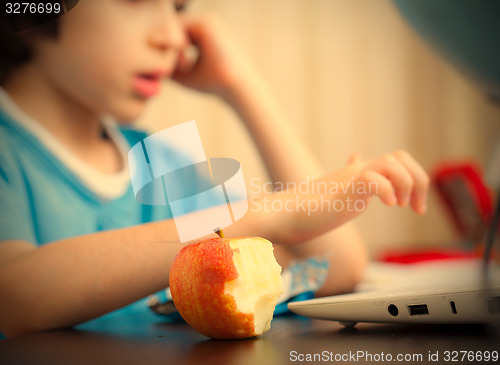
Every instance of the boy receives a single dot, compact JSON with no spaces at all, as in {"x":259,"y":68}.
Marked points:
{"x":78,"y":248}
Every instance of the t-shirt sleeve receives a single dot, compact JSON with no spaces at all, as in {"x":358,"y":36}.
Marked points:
{"x":15,"y":219}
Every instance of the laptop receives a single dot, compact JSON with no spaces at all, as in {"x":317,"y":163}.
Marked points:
{"x":438,"y":292}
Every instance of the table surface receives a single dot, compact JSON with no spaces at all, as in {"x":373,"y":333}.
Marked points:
{"x":291,"y":339}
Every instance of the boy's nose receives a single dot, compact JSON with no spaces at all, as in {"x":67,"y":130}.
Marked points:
{"x":167,"y":32}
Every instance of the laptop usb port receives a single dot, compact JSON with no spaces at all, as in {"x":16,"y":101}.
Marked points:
{"x":418,"y":309}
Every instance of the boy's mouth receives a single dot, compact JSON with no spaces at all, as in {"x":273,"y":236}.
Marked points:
{"x":147,"y":84}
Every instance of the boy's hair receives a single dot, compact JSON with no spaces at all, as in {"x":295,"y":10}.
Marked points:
{"x":15,"y":49}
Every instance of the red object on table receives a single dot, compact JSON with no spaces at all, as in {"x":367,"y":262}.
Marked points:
{"x":410,"y":257}
{"x":465,"y":195}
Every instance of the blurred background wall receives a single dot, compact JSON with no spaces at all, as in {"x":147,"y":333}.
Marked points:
{"x":351,"y":76}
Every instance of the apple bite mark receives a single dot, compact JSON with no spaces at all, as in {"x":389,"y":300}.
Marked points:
{"x":259,"y":283}
{"x":227,"y":288}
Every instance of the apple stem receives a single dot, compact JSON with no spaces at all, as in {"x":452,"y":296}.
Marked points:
{"x":219,"y":232}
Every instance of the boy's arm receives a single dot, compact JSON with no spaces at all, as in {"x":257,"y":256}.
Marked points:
{"x":73,"y":280}
{"x":223,"y":69}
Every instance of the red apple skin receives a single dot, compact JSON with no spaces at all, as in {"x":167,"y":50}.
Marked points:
{"x":202,"y":265}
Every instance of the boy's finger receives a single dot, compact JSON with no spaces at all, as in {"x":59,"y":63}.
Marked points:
{"x":184,"y":64}
{"x":381,"y":186}
{"x":398,"y":175}
{"x":194,"y":28}
{"x":420,"y":178}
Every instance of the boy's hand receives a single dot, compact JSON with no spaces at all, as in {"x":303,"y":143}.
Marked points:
{"x":326,"y":203}
{"x":218,"y":63}
{"x":397,"y":178}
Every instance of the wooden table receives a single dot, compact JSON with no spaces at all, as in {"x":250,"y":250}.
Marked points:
{"x":147,"y":340}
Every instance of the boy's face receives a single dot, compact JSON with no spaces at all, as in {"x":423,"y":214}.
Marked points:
{"x":110,"y":55}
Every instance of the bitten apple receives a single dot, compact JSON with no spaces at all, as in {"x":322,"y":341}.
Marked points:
{"x":227,"y":288}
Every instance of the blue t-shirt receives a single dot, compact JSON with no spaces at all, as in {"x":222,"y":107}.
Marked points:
{"x":42,"y":201}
